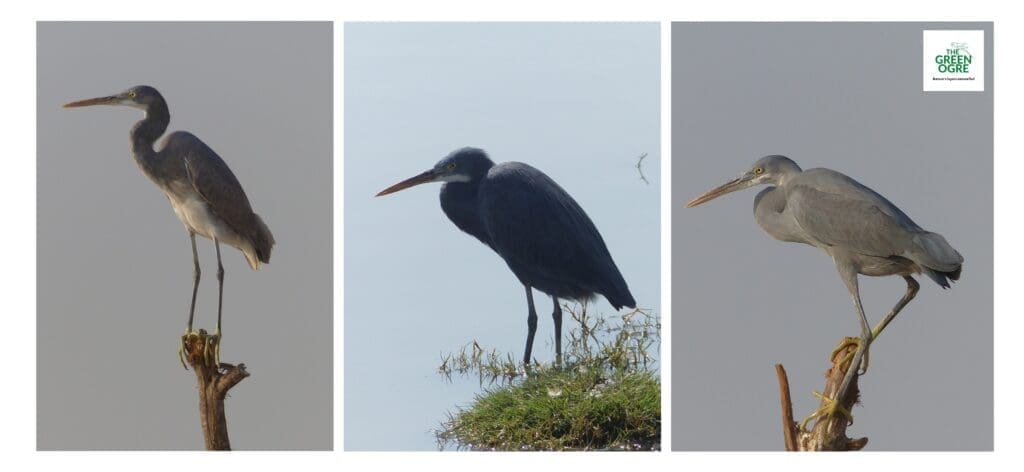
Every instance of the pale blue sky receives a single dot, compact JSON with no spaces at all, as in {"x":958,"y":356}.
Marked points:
{"x":579,"y":101}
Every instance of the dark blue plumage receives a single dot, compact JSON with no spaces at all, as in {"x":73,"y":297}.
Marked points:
{"x":540,"y":231}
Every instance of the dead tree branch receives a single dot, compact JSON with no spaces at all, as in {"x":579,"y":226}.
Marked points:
{"x":789,"y":428}
{"x":828,"y":432}
{"x":214,"y":381}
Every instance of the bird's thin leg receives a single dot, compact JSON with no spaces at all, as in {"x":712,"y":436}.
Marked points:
{"x":220,"y":287}
{"x":862,"y":350}
{"x":192,"y":306}
{"x":557,"y":316}
{"x":196,"y":272}
{"x":220,"y":303}
{"x":834,"y":405}
{"x":912,"y":288}
{"x":531,"y":325}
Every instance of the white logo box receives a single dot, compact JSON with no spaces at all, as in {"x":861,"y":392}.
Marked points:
{"x":954,"y":60}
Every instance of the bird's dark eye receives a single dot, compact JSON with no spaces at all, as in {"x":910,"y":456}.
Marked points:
{"x":758,"y":171}
{"x":451,"y":166}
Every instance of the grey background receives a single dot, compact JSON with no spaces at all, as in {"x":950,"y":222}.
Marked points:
{"x":579,"y":101}
{"x":114,"y":263}
{"x":847,"y":97}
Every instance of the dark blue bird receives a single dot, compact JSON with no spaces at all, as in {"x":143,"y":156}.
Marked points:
{"x":544,"y":236}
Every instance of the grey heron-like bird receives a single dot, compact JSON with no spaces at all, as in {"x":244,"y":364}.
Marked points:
{"x":203,"y":192}
{"x":862,"y":231}
{"x":539,"y":230}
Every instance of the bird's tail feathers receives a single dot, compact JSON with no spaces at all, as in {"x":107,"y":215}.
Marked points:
{"x":262,"y":243}
{"x":932,"y":250}
{"x":942,"y":278}
{"x":615,"y":289}
{"x":620,"y":297}
{"x":938,"y":260}
{"x":252,"y":259}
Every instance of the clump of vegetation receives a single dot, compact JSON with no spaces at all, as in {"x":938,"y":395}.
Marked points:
{"x":606,"y":395}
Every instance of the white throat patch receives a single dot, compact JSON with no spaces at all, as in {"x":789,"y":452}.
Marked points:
{"x":455,"y":178}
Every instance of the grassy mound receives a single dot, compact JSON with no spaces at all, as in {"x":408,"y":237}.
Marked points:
{"x":606,"y":395}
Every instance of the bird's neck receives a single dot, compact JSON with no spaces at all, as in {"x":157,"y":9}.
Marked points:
{"x":459,"y":202}
{"x":463,"y":187}
{"x":769,"y":208}
{"x":787,"y":170}
{"x":461,"y":194}
{"x":145,"y":133}
{"x":786,"y":176}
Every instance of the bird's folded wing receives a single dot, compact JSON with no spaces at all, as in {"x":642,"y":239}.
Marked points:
{"x":215,"y":182}
{"x":847,"y":221}
{"x":534,"y":223}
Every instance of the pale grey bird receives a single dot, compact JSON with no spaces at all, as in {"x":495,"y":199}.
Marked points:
{"x":862,"y":231}
{"x":203,"y":191}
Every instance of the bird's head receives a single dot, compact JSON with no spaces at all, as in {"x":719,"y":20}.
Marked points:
{"x":462,"y":165}
{"x":767,"y":170}
{"x":141,"y":96}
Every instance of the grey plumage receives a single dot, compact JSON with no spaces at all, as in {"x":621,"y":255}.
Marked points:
{"x":861,"y":230}
{"x":202,"y":190}
{"x":217,"y":185}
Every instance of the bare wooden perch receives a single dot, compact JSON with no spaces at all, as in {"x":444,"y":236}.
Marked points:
{"x":829,"y":431}
{"x":214,"y":381}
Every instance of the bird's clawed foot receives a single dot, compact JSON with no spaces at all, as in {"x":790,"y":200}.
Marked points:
{"x":211,"y":349}
{"x":830,"y":408}
{"x":850,"y":354}
{"x":182,"y":354}
{"x":190,"y":344}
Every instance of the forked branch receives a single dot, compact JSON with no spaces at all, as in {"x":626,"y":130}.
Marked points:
{"x":214,"y":381}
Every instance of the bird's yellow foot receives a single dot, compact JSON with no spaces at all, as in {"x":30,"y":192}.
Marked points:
{"x":211,"y":350}
{"x":192,"y":341}
{"x":848,"y":358}
{"x":183,"y":353}
{"x":181,"y":350}
{"x":830,"y":408}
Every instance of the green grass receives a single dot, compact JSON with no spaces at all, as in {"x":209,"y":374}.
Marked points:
{"x":606,"y":395}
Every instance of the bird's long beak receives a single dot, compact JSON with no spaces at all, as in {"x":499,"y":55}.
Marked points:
{"x":111,"y":100}
{"x":428,"y":176}
{"x":728,"y":187}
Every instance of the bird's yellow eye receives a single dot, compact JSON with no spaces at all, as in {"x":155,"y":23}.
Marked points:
{"x":758,"y":171}
{"x":131,"y":94}
{"x":451,"y":166}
